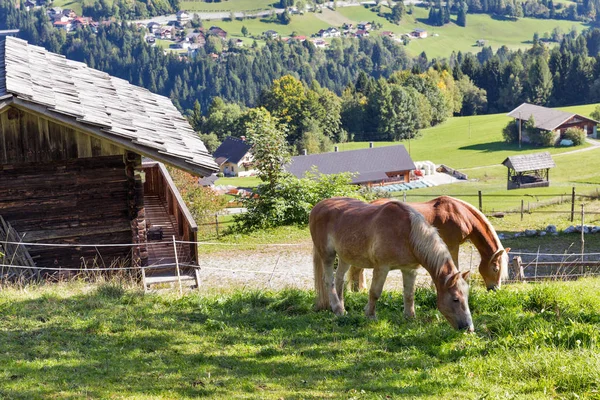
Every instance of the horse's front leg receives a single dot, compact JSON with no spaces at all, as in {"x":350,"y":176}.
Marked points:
{"x":409,"y":278}
{"x":379,"y":276}
{"x":340,"y":274}
{"x":328,"y":276}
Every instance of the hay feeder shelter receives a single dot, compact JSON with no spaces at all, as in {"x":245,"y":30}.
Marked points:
{"x":529,"y":170}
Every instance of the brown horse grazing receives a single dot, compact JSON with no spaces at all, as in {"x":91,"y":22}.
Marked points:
{"x":458,"y":221}
{"x":383,"y":237}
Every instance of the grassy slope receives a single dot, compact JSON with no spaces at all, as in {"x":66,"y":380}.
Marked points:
{"x":229,"y":5}
{"x":467,"y":142}
{"x":531,"y":342}
{"x":301,"y":24}
{"x":514,"y":34}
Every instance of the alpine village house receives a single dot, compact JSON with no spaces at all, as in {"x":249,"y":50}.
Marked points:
{"x":71,"y":147}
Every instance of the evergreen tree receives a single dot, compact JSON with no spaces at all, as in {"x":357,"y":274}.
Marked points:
{"x":461,"y":17}
{"x":539,"y":82}
{"x":398,"y":12}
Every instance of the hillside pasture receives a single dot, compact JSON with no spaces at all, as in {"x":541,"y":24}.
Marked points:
{"x":495,"y":31}
{"x":230,"y":5}
{"x":102,"y":341}
{"x":469,"y":142}
{"x":306,"y":24}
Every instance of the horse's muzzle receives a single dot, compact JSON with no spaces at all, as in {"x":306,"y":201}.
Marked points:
{"x":468,"y":328}
{"x":492,"y":288}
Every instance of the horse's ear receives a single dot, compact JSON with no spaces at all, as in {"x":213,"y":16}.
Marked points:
{"x":497,"y":255}
{"x":453,"y":280}
{"x":466,"y":274}
{"x":507,"y":250}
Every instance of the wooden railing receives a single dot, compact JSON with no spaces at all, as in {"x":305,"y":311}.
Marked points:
{"x":159,"y":182}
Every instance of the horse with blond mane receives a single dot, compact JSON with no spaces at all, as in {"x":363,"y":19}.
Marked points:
{"x":383,"y":237}
{"x":458,"y":221}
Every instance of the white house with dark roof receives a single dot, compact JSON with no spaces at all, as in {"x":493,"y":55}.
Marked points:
{"x":234,"y":157}
{"x":372,"y":166}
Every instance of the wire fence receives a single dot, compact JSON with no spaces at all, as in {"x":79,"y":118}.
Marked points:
{"x":492,"y":205}
{"x":282,"y":265}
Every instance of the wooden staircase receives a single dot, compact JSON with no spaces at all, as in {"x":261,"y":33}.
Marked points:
{"x":165,"y":209}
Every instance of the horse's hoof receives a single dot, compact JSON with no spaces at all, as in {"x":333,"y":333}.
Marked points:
{"x":372,"y":317}
{"x":340,"y":311}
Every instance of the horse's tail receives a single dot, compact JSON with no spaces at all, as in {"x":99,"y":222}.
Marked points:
{"x":320,"y":287}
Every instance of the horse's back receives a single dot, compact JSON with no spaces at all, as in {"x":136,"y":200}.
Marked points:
{"x":358,"y":231}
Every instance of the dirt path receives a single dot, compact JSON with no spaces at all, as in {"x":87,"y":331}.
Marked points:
{"x":273,"y":267}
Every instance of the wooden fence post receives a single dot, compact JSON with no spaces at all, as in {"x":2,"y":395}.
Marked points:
{"x":480,"y":201}
{"x":573,"y":204}
{"x":217,"y":223}
{"x":582,"y":235}
{"x":522,"y":203}
{"x":517,"y":268}
{"x":177,"y":266}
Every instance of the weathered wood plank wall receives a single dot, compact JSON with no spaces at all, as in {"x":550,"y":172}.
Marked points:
{"x":25,"y":137}
{"x":75,"y":201}
{"x":58,"y":185}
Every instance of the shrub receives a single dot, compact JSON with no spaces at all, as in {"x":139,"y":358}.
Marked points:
{"x":202,"y":202}
{"x":290,"y":201}
{"x":576,"y":135}
{"x":596,"y":113}
{"x":511,"y":132}
{"x":541,"y":138}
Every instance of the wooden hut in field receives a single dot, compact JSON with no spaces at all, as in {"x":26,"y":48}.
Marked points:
{"x":529,"y":170}
{"x":71,"y":145}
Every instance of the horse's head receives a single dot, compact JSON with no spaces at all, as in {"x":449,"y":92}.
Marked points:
{"x":453,"y":301}
{"x":495,"y":269}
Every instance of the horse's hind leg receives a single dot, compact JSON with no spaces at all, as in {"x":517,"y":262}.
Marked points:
{"x":357,"y":279}
{"x":379,"y":276}
{"x":336,"y":306}
{"x":409,"y":277}
{"x":340,"y":274}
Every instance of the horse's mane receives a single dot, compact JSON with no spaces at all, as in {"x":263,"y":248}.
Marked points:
{"x":483,"y":219}
{"x":427,"y":244}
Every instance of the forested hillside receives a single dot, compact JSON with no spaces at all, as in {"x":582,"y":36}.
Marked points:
{"x":355,"y":82}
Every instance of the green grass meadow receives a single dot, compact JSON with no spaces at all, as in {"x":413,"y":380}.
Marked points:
{"x":451,"y":37}
{"x":73,"y":340}
{"x":228,"y":5}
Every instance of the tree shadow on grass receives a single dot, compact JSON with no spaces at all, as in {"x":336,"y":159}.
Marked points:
{"x":499,"y":146}
{"x":112,"y":342}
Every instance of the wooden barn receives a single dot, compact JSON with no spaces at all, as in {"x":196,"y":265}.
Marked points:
{"x":550,"y":119}
{"x":71,"y":145}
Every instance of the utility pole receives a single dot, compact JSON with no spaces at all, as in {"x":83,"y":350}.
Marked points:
{"x":519,"y":129}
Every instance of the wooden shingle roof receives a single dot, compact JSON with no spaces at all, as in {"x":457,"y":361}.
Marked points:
{"x":368,"y":164}
{"x":102,"y":105}
{"x":530,"y":162}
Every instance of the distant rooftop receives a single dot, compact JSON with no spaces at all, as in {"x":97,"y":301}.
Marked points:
{"x":368,"y":164}
{"x":530,"y":162}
